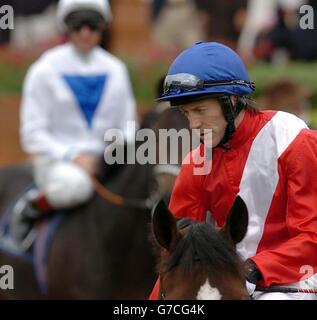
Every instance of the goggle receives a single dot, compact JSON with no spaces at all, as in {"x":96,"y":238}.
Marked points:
{"x":92,"y":25}
{"x":188,"y":82}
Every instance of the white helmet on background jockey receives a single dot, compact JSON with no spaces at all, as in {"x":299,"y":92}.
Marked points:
{"x":65,"y":7}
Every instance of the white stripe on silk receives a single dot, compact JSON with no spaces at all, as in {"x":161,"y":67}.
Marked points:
{"x":260,"y":175}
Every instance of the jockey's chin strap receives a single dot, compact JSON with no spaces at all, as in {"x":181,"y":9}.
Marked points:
{"x":230,"y":112}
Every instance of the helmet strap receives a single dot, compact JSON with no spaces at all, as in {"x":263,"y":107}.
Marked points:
{"x":230,"y":112}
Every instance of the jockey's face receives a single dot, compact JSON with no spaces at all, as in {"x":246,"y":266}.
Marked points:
{"x":85,"y":38}
{"x":205,"y":115}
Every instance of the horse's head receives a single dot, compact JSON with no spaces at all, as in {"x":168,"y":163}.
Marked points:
{"x":197,"y":261}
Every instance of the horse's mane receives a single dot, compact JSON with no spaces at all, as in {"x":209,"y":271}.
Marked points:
{"x":204,"y":244}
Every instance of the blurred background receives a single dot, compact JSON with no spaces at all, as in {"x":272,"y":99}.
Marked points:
{"x":148,"y":34}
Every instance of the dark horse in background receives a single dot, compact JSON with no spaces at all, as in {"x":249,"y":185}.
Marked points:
{"x":100,"y":250}
{"x":96,"y":246}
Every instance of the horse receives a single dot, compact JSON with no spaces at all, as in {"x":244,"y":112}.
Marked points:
{"x":100,"y":250}
{"x":96,"y":246}
{"x":197,"y":262}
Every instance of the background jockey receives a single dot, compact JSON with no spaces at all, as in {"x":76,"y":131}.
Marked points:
{"x":72,"y":94}
{"x":269,"y":158}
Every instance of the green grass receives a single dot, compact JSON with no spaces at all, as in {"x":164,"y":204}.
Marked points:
{"x":314,"y":117}
{"x":145,"y":75}
{"x":305,"y":73}
{"x":11,"y":77}
{"x":145,"y":78}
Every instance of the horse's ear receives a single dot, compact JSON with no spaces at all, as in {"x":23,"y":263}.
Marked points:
{"x":164,"y":225}
{"x":236,"y":225}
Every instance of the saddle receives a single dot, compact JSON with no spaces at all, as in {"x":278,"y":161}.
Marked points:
{"x":35,"y":246}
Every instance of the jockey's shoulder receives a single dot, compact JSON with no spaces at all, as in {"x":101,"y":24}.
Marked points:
{"x":307,"y":138}
{"x":109,"y":57}
{"x":57,"y":58}
{"x":61,"y":58}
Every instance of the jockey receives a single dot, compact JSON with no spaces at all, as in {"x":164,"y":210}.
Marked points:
{"x":267,"y":158}
{"x":72,"y":94}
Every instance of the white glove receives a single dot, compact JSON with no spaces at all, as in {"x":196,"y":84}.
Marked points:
{"x":250,"y":287}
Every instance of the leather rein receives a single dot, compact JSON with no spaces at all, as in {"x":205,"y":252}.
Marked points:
{"x":285,"y":290}
{"x":121,"y":201}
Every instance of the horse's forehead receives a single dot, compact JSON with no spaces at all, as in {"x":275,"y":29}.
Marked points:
{"x":207,"y":292}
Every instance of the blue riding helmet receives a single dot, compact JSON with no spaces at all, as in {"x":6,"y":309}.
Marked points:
{"x":206,"y":68}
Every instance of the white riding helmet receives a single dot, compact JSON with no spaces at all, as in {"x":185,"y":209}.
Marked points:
{"x":65,"y":7}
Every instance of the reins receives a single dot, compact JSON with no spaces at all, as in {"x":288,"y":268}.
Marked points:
{"x":285,"y":290}
{"x":120,"y":201}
